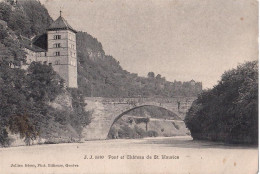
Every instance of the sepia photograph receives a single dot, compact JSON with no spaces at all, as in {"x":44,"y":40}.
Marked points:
{"x":129,"y":86}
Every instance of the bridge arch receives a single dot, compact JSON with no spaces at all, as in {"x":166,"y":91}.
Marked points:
{"x":136,"y":107}
{"x":106,"y":111}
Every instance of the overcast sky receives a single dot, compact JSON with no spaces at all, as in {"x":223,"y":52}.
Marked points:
{"x":179,"y":39}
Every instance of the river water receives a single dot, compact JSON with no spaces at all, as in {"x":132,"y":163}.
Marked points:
{"x":150,"y":155}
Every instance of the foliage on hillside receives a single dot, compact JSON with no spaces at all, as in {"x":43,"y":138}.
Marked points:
{"x":24,"y":104}
{"x":229,"y":111}
{"x":102,"y":75}
{"x":10,"y":51}
{"x":27,"y":17}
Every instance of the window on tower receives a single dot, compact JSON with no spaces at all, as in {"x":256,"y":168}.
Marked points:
{"x":57,"y":53}
{"x":57,"y":62}
{"x":56,"y":37}
{"x":57,"y":45}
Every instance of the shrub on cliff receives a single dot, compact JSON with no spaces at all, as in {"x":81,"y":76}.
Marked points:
{"x":229,"y":111}
{"x":44,"y":84}
{"x":24,"y":104}
{"x":18,"y":113}
{"x":79,"y":118}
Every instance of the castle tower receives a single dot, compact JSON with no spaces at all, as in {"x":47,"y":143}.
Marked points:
{"x":62,"y":53}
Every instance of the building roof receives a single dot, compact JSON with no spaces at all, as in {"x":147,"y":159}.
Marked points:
{"x":61,"y":24}
{"x":41,"y":41}
{"x":27,"y":43}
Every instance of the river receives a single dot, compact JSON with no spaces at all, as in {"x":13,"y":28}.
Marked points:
{"x":150,"y":155}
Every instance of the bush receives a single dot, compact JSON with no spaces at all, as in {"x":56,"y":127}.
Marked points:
{"x":229,"y":111}
{"x":140,"y":132}
{"x":151,"y":133}
{"x":126,"y":132}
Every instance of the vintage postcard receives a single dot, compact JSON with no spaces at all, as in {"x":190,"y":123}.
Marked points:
{"x":128,"y":86}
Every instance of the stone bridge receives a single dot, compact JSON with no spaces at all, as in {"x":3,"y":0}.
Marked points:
{"x":106,"y":111}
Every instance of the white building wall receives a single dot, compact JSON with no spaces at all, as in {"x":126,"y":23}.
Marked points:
{"x":66,"y":62}
{"x":62,"y":54}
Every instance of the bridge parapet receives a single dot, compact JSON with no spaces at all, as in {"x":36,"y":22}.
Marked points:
{"x":142,"y":100}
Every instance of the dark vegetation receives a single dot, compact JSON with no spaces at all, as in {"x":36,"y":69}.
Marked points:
{"x":24,"y":105}
{"x":229,"y":111}
{"x":27,"y":17}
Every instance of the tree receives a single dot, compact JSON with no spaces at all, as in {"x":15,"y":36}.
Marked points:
{"x":16,"y":113}
{"x":229,"y":111}
{"x":5,"y":11}
{"x":158,"y":77}
{"x":19,"y":22}
{"x":150,"y":75}
{"x":24,"y":100}
{"x":44,"y":84}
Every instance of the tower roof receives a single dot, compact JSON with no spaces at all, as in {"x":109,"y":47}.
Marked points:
{"x":61,"y":24}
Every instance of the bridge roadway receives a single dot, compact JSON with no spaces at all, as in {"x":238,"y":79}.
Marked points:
{"x":106,"y":111}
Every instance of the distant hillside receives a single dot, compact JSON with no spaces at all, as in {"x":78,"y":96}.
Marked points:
{"x":100,"y":75}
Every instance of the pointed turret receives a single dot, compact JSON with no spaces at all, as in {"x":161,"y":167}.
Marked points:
{"x":60,"y":24}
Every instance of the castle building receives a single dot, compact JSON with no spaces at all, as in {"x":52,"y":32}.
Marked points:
{"x":57,"y":47}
